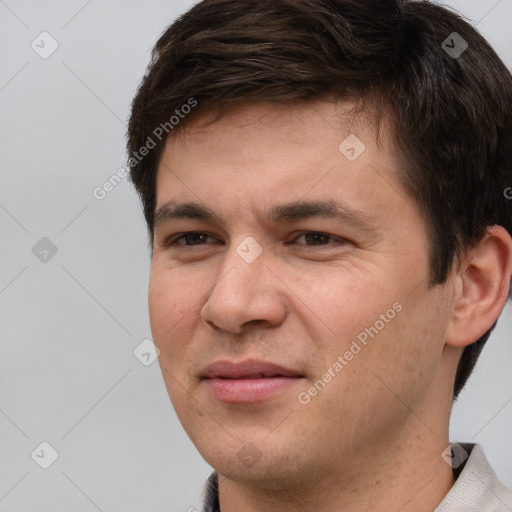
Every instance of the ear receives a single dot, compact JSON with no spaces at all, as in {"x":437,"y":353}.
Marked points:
{"x":482,"y":284}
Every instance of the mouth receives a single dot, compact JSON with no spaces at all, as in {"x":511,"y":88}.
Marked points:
{"x":248,"y":381}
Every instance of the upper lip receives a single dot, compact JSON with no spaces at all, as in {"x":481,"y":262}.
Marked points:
{"x":246,"y":369}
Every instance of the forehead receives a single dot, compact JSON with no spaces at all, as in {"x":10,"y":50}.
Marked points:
{"x":290,"y":119}
{"x":319,"y":151}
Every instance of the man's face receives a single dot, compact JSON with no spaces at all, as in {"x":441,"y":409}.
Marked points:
{"x":340,"y":303}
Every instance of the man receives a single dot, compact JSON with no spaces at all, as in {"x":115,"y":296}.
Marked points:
{"x":324,"y":183}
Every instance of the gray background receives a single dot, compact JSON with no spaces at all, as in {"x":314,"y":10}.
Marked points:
{"x":70,"y":325}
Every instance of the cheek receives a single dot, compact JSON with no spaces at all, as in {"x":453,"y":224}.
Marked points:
{"x":405,"y":357}
{"x":170,"y":300}
{"x":171,"y":307}
{"x":375,"y":320}
{"x":170,"y":304}
{"x":342,"y":300}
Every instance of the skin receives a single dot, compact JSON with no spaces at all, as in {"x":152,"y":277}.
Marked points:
{"x":375,"y":433}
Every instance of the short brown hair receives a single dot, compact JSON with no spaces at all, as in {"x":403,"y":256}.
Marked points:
{"x":452,"y":110}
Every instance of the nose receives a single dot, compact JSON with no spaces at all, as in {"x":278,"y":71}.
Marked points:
{"x":246,"y":294}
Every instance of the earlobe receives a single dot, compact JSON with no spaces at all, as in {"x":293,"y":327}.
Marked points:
{"x":481,"y":287}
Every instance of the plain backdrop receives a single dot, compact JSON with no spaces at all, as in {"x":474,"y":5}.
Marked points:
{"x":74,"y":273}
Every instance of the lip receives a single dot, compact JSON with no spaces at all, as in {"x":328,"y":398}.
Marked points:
{"x":247,"y":369}
{"x":248,"y":381}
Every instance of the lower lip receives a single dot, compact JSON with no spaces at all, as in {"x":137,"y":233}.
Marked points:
{"x":249,"y":390}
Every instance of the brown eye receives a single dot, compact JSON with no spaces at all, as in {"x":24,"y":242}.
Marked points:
{"x":190,"y":238}
{"x":313,"y":238}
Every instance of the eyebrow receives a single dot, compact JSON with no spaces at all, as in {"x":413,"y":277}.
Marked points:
{"x":297,"y":210}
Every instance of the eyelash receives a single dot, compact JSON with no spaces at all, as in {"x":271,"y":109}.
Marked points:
{"x":172,"y":241}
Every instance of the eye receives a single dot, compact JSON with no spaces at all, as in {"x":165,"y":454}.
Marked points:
{"x":314,"y":238}
{"x":311,"y":239}
{"x":190,"y":238}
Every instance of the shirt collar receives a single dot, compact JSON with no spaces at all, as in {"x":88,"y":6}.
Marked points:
{"x":477,"y":488}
